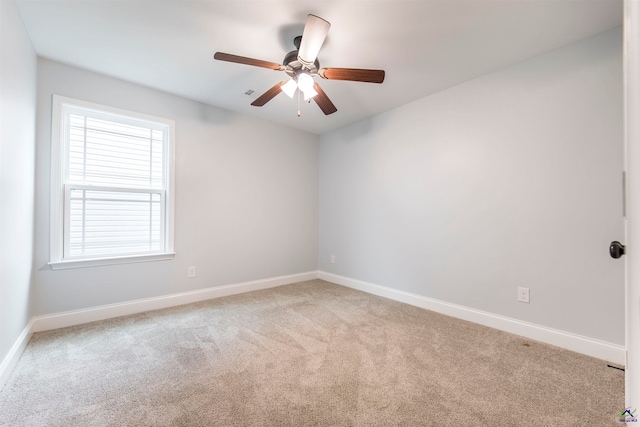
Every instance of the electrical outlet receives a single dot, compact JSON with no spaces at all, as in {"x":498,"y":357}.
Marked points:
{"x":333,"y":259}
{"x":191,"y":271}
{"x":523,"y":295}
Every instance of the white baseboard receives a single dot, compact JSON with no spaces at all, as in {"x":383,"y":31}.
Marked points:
{"x":77,"y":317}
{"x":589,"y":346}
{"x":11,"y":359}
{"x":578,"y":343}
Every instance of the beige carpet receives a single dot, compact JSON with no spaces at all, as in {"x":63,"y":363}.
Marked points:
{"x":308,"y":354}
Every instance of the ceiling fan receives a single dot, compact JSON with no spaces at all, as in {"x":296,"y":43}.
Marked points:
{"x":302,"y":65}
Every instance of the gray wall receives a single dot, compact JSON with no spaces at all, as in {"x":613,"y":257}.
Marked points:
{"x":512,"y":179}
{"x":246,"y":198}
{"x":17,"y":146}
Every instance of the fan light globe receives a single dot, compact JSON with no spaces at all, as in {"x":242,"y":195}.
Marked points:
{"x":289,"y":88}
{"x":309,"y":93}
{"x":305,"y":82}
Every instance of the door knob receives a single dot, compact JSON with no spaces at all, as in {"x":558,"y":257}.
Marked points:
{"x":616,"y":249}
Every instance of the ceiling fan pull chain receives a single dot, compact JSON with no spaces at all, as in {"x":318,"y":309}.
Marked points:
{"x":298,"y":103}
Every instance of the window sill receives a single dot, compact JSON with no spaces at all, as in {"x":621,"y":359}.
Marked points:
{"x":96,"y":262}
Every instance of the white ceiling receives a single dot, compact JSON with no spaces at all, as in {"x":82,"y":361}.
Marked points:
{"x":424,"y":46}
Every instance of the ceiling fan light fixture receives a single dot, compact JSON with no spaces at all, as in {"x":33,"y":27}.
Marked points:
{"x":289,"y":88}
{"x":302,"y":65}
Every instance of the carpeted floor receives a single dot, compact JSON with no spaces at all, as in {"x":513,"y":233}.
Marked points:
{"x":308,"y":354}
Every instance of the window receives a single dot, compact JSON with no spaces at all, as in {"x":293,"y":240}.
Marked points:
{"x":112,"y":185}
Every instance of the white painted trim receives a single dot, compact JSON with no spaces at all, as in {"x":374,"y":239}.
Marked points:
{"x":11,"y":359}
{"x":589,"y":346}
{"x":578,"y":343}
{"x":170,"y":208}
{"x":632,"y":167}
{"x":77,"y":317}
{"x":96,"y":262}
{"x":56,"y":203}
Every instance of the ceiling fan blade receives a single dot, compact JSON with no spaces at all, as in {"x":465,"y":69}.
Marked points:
{"x":323,"y":101}
{"x":315,"y":31}
{"x":352,"y":74}
{"x":220,"y":56}
{"x":268,"y":95}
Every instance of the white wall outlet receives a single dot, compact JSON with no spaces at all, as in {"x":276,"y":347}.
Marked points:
{"x":523,"y":295}
{"x":191,"y":271}
{"x":333,"y":259}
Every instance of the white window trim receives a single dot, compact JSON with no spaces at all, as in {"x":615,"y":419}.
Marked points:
{"x":58,"y":147}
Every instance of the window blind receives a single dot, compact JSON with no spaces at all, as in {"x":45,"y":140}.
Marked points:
{"x":115,"y":190}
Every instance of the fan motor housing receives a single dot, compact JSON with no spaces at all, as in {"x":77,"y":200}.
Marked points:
{"x":293,"y":67}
